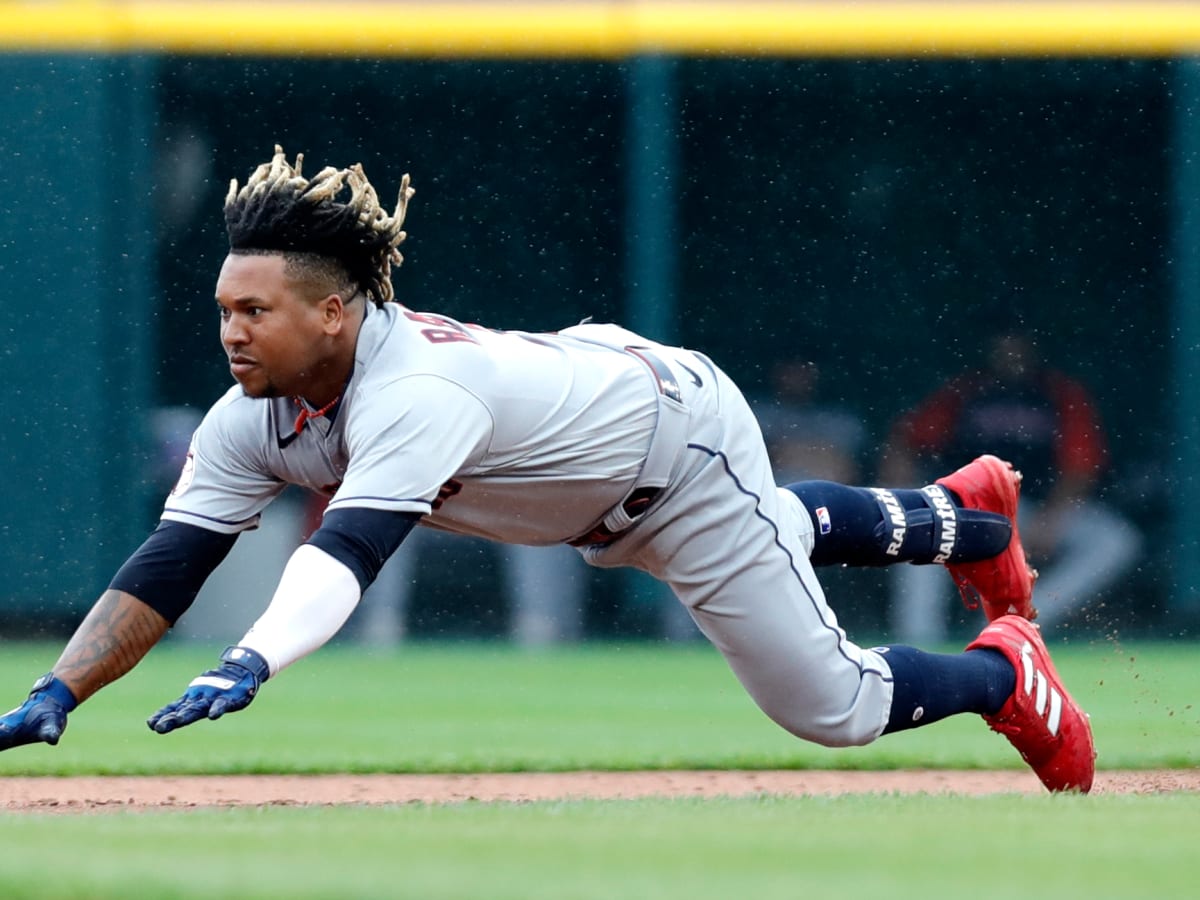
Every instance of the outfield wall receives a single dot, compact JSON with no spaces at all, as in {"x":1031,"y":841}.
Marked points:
{"x":608,"y":30}
{"x":874,"y":191}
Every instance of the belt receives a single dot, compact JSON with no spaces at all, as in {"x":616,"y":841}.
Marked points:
{"x":635,"y":504}
{"x":639,"y":498}
{"x":668,"y":384}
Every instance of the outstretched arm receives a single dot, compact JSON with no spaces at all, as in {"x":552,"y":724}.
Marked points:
{"x":319,"y":588}
{"x":316,"y":595}
{"x":112,"y":639}
{"x":154,"y":587}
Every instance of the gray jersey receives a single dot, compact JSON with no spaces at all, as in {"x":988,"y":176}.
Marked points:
{"x":513,"y":436}
{"x":535,"y":438}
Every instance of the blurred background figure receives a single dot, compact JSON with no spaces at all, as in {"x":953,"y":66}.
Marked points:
{"x":809,"y":438}
{"x":1047,"y":425}
{"x":171,"y":429}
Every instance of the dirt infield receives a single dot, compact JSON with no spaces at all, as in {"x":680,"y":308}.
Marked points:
{"x":130,"y":793}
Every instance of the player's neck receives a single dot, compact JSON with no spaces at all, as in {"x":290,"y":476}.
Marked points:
{"x":328,"y":381}
{"x":327,"y":385}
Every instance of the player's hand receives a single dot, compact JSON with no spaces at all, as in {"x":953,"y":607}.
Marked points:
{"x":229,"y":687}
{"x":42,"y":717}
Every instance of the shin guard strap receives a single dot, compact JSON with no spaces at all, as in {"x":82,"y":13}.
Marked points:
{"x":895,"y":522}
{"x":945,"y":522}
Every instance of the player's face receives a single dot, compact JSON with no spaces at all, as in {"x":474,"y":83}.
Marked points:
{"x":277,"y":339}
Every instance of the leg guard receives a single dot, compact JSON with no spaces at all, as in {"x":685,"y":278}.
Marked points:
{"x":877,"y":527}
{"x":941,"y":532}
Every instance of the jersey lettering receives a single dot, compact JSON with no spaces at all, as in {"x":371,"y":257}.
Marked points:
{"x":446,"y":335}
{"x":445,"y":330}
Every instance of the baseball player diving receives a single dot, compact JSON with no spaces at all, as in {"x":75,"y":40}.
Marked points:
{"x":636,"y":453}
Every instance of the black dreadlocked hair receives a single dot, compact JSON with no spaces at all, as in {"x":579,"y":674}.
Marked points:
{"x":280,"y":211}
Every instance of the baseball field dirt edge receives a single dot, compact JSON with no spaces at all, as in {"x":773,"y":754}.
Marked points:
{"x":132,"y":793}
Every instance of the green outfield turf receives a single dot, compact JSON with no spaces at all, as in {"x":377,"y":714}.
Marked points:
{"x":491,"y":707}
{"x":761,"y":848}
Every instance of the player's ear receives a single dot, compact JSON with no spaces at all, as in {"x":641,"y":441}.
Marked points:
{"x":333,"y":313}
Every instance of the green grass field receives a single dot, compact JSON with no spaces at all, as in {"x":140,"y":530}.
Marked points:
{"x":917,"y":846}
{"x":490,"y":707}
{"x":475,"y":708}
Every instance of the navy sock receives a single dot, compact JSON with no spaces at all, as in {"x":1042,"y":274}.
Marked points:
{"x":849,"y":535}
{"x":931,"y":686}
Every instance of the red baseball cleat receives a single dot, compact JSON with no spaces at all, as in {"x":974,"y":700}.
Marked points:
{"x":1004,"y":583}
{"x":1040,"y":719}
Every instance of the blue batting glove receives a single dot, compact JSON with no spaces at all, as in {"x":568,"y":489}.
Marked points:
{"x":42,"y":717}
{"x":229,"y":687}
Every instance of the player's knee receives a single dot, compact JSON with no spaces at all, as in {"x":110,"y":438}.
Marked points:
{"x":829,"y":702}
{"x":850,"y":729}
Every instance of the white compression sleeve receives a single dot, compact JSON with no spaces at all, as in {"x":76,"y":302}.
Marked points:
{"x":315,"y":596}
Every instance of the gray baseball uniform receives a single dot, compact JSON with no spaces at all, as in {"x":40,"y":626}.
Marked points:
{"x":640,"y":454}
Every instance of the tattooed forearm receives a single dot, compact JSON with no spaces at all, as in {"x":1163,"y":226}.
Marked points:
{"x":111,"y":640}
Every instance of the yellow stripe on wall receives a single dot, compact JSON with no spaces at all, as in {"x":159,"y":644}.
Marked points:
{"x":606,"y":29}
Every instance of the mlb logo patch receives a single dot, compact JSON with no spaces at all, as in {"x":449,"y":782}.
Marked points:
{"x":823,"y":520}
